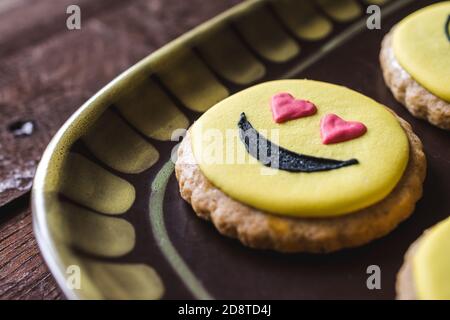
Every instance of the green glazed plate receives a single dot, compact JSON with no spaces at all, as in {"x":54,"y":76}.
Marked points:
{"x":107,"y":213}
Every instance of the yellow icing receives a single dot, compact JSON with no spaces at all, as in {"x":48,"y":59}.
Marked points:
{"x":423,"y":50}
{"x":382,"y":152}
{"x":431,"y":264}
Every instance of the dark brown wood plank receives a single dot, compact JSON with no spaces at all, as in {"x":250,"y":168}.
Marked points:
{"x":45,"y":75}
{"x":23,"y":274}
{"x":24,"y":22}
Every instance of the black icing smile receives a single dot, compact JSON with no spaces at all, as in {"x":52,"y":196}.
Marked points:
{"x":274,"y":156}
{"x":447,"y":28}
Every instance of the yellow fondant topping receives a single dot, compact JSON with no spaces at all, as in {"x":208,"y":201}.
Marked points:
{"x":422,"y":48}
{"x":431,"y":264}
{"x":382,"y":152}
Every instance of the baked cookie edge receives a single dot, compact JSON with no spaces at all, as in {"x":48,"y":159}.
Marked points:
{"x":418,"y":101}
{"x":404,"y":285}
{"x":263,"y":230}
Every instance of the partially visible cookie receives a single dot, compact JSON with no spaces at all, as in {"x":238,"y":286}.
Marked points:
{"x":415,"y":59}
{"x":424,"y":273}
{"x":418,"y":100}
{"x":405,"y":283}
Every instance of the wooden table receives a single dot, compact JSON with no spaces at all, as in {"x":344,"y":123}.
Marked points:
{"x":46,"y":73}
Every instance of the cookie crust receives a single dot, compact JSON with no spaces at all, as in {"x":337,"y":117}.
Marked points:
{"x":419,"y":101}
{"x":404,"y":285}
{"x":264,"y":230}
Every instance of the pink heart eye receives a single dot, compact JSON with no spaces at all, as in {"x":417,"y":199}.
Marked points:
{"x":334,"y":129}
{"x":285,"y":107}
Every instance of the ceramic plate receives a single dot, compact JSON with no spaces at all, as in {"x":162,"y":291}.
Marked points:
{"x":105,"y":200}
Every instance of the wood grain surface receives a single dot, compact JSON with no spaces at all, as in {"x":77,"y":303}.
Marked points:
{"x":23,"y":273}
{"x":46,"y":73}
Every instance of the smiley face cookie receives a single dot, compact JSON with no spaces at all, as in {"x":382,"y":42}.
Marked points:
{"x":424,"y":274}
{"x":300,"y":165}
{"x":415,"y":58}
